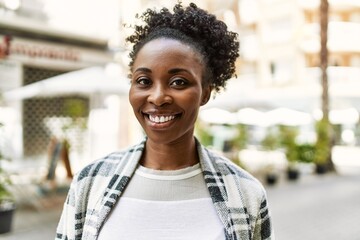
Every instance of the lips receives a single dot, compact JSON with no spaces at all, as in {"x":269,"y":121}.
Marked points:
{"x":161,"y":119}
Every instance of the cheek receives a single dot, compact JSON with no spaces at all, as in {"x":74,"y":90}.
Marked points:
{"x":191,"y":100}
{"x":131,"y":97}
{"x":134,"y":99}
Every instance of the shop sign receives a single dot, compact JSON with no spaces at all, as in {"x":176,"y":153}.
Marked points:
{"x":10,"y":46}
{"x":5,"y":47}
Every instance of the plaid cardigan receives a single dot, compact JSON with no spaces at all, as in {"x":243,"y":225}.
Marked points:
{"x":238,"y":198}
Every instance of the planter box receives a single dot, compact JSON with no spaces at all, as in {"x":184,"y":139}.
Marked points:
{"x":293,"y":174}
{"x":6,"y":219}
{"x":271,"y":179}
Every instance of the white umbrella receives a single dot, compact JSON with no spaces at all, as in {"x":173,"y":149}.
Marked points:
{"x":88,"y":81}
{"x":344,"y":116}
{"x":217,"y":116}
{"x":252,"y":116}
{"x":288,"y":117}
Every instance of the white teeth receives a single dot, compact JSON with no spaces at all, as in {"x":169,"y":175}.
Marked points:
{"x":160,"y":119}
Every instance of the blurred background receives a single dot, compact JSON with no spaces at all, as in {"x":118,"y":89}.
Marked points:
{"x":290,"y":117}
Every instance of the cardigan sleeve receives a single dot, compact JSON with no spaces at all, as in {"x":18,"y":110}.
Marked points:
{"x":66,"y":227}
{"x":263,"y":225}
{"x":72,"y":221}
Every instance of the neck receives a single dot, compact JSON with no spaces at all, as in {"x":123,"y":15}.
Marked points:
{"x":170,"y":156}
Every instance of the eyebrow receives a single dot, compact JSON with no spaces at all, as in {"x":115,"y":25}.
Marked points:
{"x":171,"y":71}
{"x":177,"y":70}
{"x":142,"y":69}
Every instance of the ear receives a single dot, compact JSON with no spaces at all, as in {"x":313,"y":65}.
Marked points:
{"x":205,"y":95}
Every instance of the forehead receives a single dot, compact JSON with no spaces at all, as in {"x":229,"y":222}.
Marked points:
{"x":164,"y":48}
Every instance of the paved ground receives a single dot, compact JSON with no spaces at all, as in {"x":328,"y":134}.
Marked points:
{"x":35,"y":224}
{"x":313,"y":208}
{"x":316,"y":208}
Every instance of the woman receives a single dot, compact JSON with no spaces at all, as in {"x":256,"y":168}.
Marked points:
{"x":169,"y":186}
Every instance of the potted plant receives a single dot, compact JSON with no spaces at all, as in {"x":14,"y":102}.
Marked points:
{"x":306,"y":152}
{"x":322,"y":146}
{"x":237,"y":143}
{"x":269,"y":143}
{"x":241,"y":139}
{"x":288,"y":142}
{"x":271,"y":175}
{"x":7,"y":202}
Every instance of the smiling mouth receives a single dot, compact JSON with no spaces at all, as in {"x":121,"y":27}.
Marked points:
{"x":161,"y":119}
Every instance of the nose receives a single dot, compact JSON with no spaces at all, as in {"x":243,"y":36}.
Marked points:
{"x":159,"y":96}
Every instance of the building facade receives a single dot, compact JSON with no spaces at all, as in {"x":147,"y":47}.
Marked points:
{"x":280,"y":54}
{"x":31,"y":51}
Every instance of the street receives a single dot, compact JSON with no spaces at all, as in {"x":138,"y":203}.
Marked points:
{"x":317,"y":207}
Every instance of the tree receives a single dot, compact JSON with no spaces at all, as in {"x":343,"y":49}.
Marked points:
{"x":324,"y":20}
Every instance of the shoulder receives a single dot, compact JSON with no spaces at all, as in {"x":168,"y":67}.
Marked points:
{"x":235,"y":178}
{"x":91,"y":182}
{"x":228,"y":167}
{"x":108,"y":165}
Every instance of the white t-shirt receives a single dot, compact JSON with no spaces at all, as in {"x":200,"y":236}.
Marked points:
{"x":169,"y":205}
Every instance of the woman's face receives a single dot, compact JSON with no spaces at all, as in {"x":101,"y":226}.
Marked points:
{"x":166,"y":89}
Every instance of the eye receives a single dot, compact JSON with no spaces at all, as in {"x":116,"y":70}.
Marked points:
{"x":178,"y":82}
{"x":143,"y":81}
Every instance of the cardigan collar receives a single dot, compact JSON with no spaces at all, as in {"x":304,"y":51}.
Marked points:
{"x":212,"y":175}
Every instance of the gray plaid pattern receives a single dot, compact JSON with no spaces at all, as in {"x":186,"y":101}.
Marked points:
{"x":238,"y":198}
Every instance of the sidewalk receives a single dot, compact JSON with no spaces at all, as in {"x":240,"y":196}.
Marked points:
{"x":316,"y":207}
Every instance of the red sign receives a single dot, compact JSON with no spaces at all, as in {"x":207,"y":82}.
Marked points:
{"x":5,"y":47}
{"x":9,"y":47}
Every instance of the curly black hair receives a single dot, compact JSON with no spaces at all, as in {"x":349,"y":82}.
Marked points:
{"x":197,"y":28}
